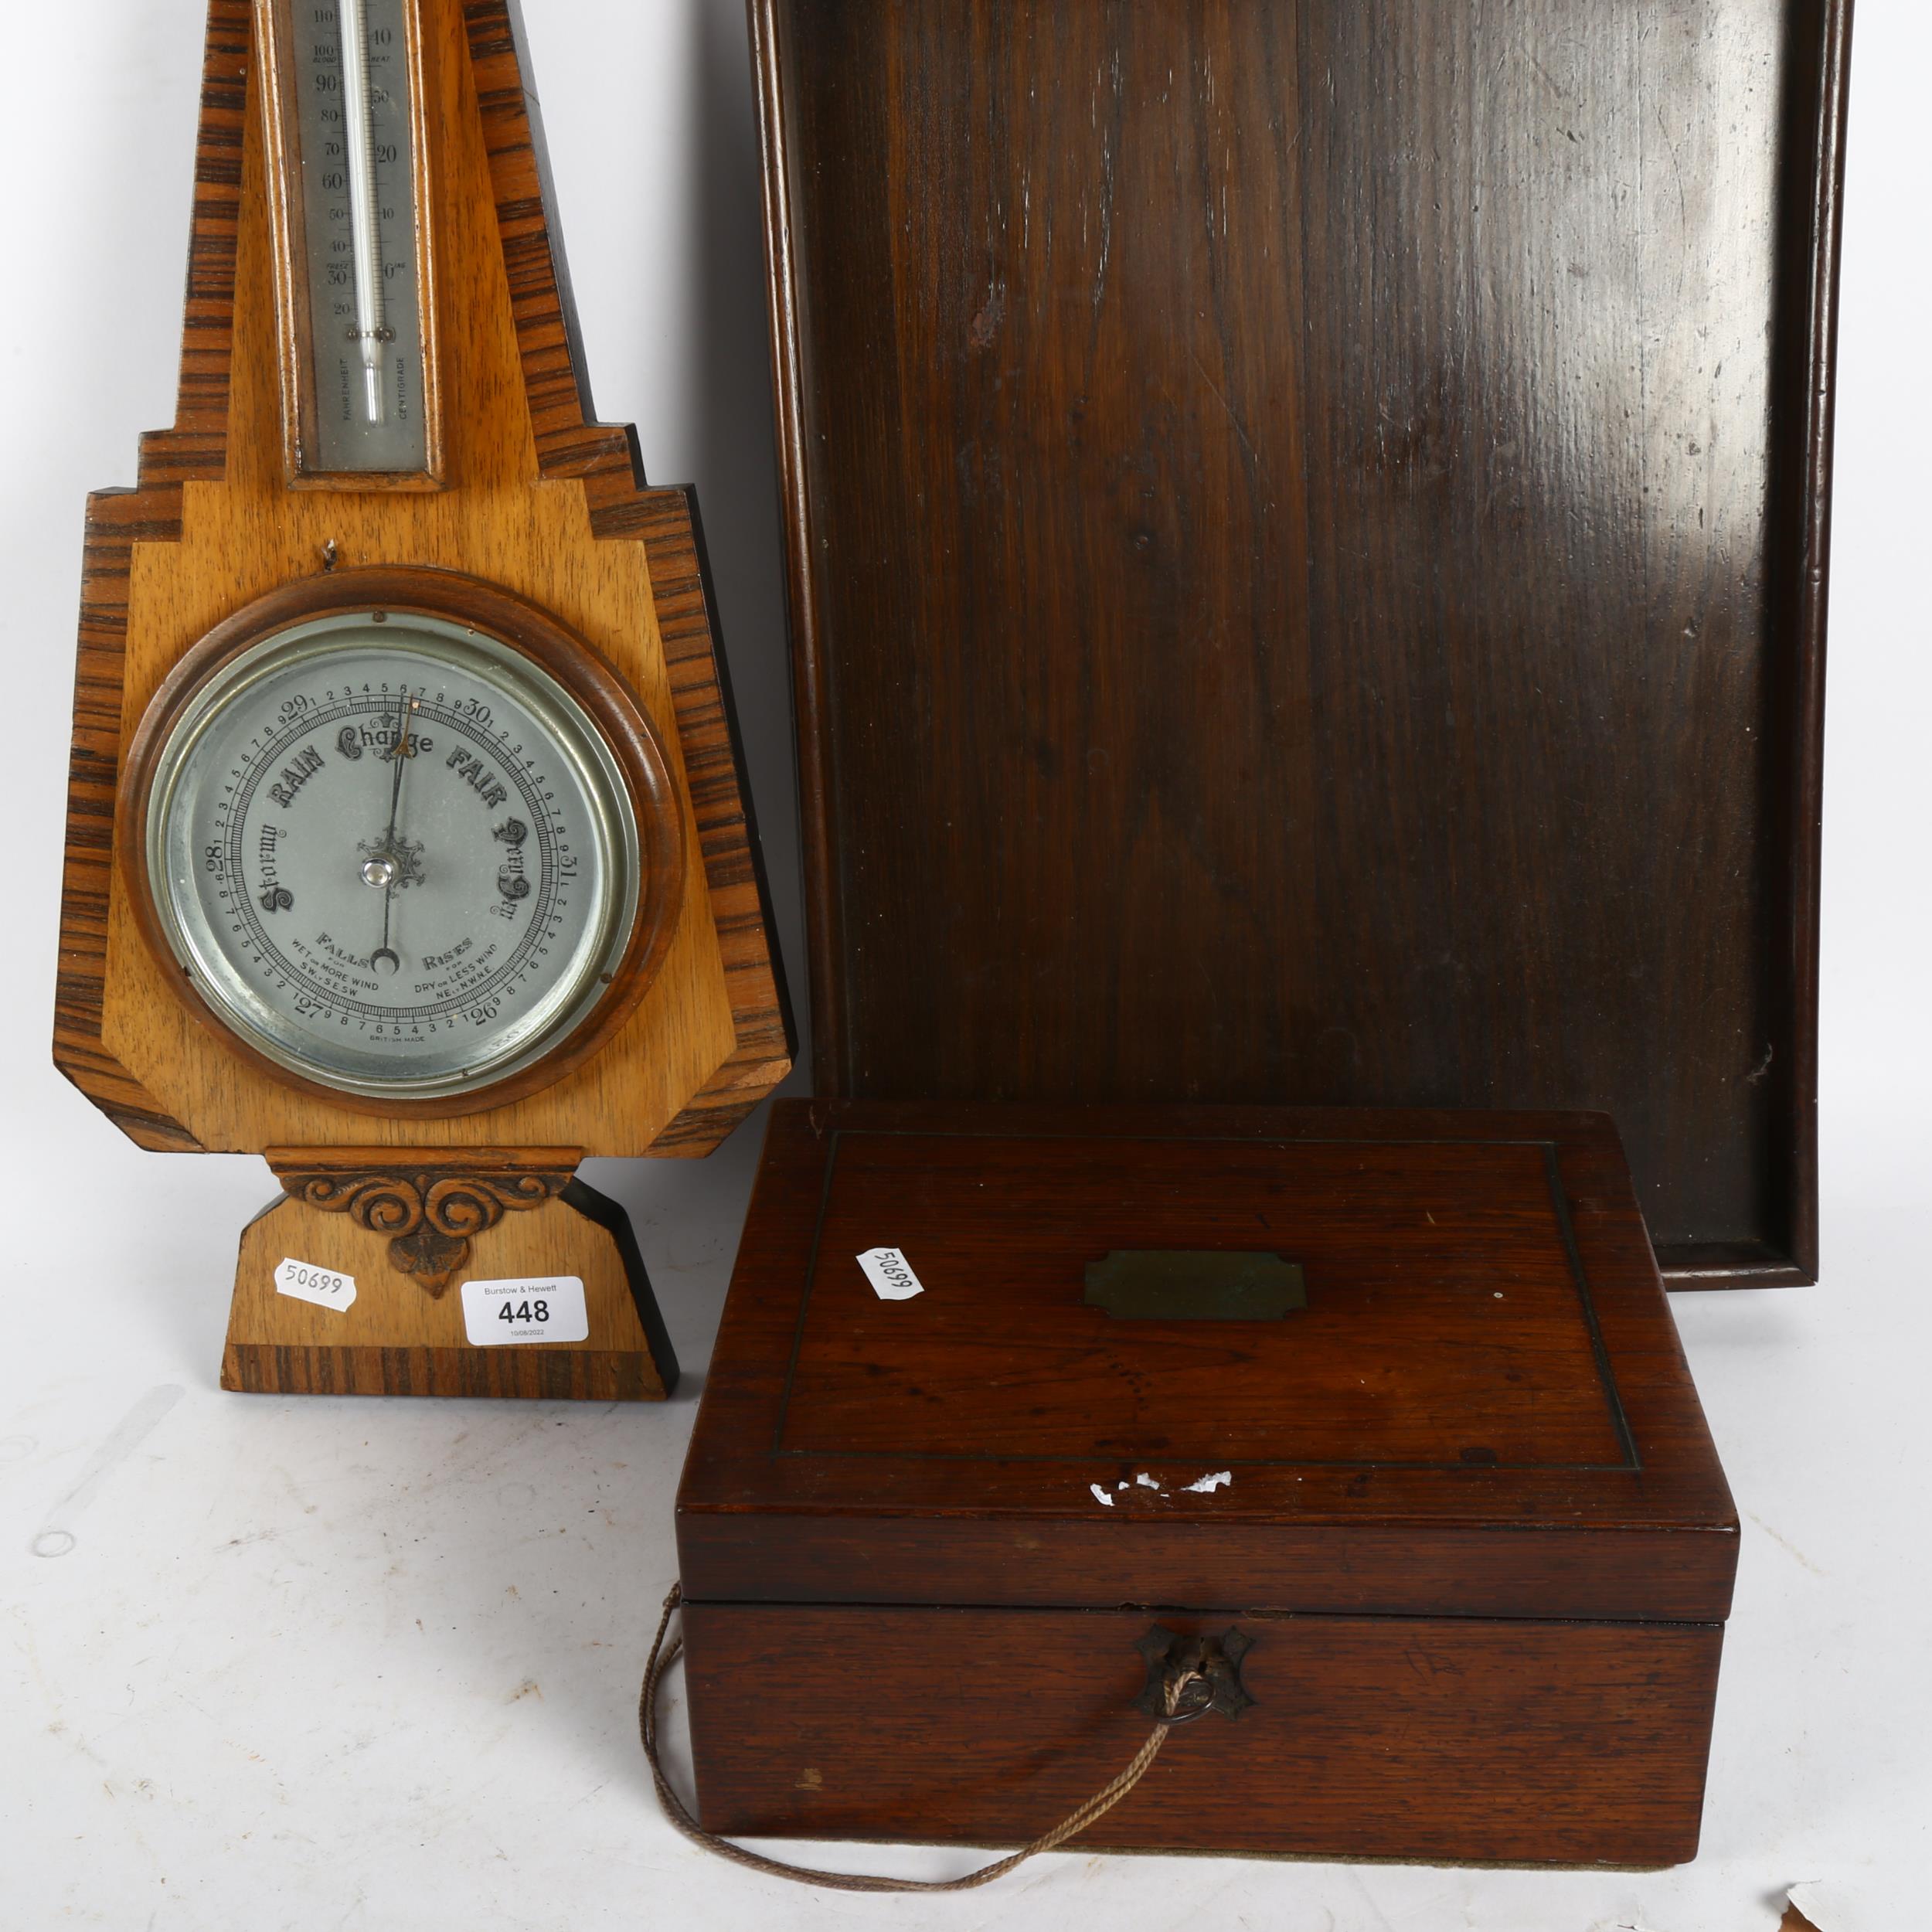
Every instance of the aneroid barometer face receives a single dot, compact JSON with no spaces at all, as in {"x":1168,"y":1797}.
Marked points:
{"x":393,"y":853}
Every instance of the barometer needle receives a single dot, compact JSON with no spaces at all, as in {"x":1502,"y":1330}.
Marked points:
{"x":398,"y":752}
{"x":365,"y":239}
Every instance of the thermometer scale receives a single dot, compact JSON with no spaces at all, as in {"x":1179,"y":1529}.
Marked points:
{"x":353,"y":246}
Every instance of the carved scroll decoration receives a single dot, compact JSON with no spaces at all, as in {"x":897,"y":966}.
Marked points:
{"x":429,"y":1216}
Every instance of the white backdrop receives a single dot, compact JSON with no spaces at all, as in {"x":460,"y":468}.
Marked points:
{"x":372,"y":1665}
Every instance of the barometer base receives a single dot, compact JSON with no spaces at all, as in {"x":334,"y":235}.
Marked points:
{"x":325,"y":1305}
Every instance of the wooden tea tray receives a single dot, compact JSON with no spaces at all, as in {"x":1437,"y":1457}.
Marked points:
{"x":1307,"y":538}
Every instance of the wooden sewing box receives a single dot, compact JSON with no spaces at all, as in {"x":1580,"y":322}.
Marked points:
{"x":1307,"y":528}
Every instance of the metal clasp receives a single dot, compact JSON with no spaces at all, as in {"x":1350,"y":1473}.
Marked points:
{"x":1187,"y":1677}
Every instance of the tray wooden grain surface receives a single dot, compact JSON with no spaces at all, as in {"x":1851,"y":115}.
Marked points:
{"x":1308,"y":536}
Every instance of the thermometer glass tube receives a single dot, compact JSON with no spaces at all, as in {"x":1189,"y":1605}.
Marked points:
{"x":347,"y":130}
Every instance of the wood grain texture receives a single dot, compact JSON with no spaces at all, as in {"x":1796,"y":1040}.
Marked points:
{"x":1307,"y":535}
{"x":1566,"y":1743}
{"x":1483,"y":1409}
{"x":429,"y":1208}
{"x":540,"y":501}
{"x":397,"y":1338}
{"x":665,"y":521}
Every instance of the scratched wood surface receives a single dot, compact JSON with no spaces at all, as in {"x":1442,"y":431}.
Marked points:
{"x":1443,"y":1326}
{"x":540,"y":501}
{"x":1567,"y":1744}
{"x":1307,"y":533}
{"x":1483,"y":1409}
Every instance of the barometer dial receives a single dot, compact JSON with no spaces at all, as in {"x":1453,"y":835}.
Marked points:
{"x":393,"y":853}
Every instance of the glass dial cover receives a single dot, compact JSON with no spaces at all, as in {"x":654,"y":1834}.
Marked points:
{"x":393,"y":853}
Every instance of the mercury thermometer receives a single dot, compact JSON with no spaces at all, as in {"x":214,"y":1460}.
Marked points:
{"x":349,"y":197}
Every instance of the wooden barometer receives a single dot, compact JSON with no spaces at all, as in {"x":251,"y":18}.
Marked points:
{"x":407,"y":843}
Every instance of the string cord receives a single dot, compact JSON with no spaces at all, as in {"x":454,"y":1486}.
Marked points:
{"x":661,"y":1659}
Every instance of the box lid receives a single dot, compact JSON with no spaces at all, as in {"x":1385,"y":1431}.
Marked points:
{"x":1479,"y":1407}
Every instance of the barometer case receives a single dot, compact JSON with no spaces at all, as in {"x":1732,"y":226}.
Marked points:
{"x":407,"y":840}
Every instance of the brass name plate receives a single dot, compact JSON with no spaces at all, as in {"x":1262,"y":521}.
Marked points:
{"x":1191,"y":1284}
